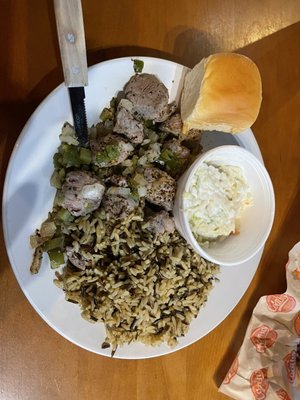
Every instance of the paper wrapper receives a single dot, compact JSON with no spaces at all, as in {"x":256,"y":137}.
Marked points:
{"x":266,"y":365}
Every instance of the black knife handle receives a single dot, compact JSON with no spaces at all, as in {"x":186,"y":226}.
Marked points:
{"x":77,"y":97}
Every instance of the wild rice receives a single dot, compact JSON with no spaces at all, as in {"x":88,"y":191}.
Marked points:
{"x":143,"y":288}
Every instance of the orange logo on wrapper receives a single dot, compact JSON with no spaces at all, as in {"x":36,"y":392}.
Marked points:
{"x":281,"y":303}
{"x":259,"y":384}
{"x":263,"y":338}
{"x":297,"y":324}
{"x":290,"y":365}
{"x":232,"y":372}
{"x":282,"y":394}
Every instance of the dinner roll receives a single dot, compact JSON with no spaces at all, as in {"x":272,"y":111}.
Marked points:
{"x":222,"y":93}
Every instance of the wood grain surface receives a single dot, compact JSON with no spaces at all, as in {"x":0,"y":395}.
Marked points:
{"x":35,"y":362}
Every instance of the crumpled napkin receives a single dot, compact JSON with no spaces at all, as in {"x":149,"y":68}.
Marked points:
{"x":266,"y":365}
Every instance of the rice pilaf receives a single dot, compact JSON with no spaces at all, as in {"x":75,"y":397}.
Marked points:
{"x":151,"y":288}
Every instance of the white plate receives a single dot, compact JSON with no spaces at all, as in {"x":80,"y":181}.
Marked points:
{"x":28,"y":197}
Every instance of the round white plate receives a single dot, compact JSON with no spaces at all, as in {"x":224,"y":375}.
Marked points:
{"x":28,"y":197}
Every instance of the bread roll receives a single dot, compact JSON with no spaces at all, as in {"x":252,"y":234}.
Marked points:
{"x":222,"y":93}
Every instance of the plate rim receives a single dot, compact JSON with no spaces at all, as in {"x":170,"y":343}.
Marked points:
{"x":8,"y":173}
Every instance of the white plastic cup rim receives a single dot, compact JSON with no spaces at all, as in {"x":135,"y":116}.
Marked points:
{"x":264,"y":204}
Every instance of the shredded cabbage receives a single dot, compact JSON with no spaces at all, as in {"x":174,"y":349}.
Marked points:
{"x":215,"y":201}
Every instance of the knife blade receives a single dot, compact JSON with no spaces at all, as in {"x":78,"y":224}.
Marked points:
{"x":70,"y":30}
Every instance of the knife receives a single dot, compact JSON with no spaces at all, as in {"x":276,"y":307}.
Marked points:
{"x":70,"y":30}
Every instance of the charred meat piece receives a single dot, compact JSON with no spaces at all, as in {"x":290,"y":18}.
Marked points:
{"x":110,"y":150}
{"x":118,"y":202}
{"x":149,"y":97}
{"x":177,"y":149}
{"x":82,"y":193}
{"x":174,"y":157}
{"x":161,"y":223}
{"x":126,"y":124}
{"x":160,"y":187}
{"x":75,"y":258}
{"x":117,"y":180}
{"x":172,"y":125}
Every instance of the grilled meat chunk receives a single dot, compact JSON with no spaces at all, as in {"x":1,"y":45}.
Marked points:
{"x":149,"y":97}
{"x":179,"y":151}
{"x":174,"y":157}
{"x":82,"y":193}
{"x":110,"y":150}
{"x":117,"y":180}
{"x":161,"y":188}
{"x":172,"y":125}
{"x":75,"y":259}
{"x":126,"y":124}
{"x":118,"y":202}
{"x":160,"y":223}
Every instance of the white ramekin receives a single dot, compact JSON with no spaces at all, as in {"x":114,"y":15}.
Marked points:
{"x":256,"y":221}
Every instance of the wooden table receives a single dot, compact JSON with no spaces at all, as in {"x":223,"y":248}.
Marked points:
{"x":37,"y":363}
